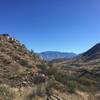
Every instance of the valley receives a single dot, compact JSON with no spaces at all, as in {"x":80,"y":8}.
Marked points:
{"x":25,"y":76}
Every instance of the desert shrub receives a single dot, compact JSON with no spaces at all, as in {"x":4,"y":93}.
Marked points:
{"x":39,"y":79}
{"x":14,"y":76}
{"x":82,"y":87}
{"x":5,"y":93}
{"x":61,"y":77}
{"x":87,"y":81}
{"x":93,"y":70}
{"x":23,"y":62}
{"x":30,"y":65}
{"x":41,"y":66}
{"x":39,"y":90}
{"x":1,"y":44}
{"x":51,"y":71}
{"x":72,"y":86}
{"x":58,"y":86}
{"x":43,"y":89}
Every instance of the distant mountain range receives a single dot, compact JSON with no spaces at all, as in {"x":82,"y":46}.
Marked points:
{"x":52,"y":55}
{"x":89,"y":58}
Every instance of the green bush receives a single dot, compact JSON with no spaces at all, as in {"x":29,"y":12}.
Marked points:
{"x":42,"y":67}
{"x":1,"y":44}
{"x":72,"y":86}
{"x":87,"y":81}
{"x":61,"y":77}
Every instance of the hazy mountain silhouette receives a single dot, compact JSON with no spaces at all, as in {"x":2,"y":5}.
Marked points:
{"x":52,"y":55}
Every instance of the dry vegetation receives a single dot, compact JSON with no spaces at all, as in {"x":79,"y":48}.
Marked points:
{"x":24,"y":76}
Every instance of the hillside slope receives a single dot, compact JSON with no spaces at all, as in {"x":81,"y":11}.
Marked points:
{"x":93,"y":53}
{"x":15,"y":59}
{"x":24,"y":76}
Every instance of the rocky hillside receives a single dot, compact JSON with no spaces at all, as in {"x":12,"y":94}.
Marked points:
{"x":15,"y":59}
{"x":24,"y":76}
{"x":93,"y":53}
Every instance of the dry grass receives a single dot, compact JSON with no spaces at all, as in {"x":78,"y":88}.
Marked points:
{"x":30,"y":93}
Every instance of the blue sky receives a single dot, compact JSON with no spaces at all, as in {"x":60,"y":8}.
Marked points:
{"x":57,"y":25}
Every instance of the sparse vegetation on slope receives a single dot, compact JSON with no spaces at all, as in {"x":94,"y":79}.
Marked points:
{"x":30,"y":78}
